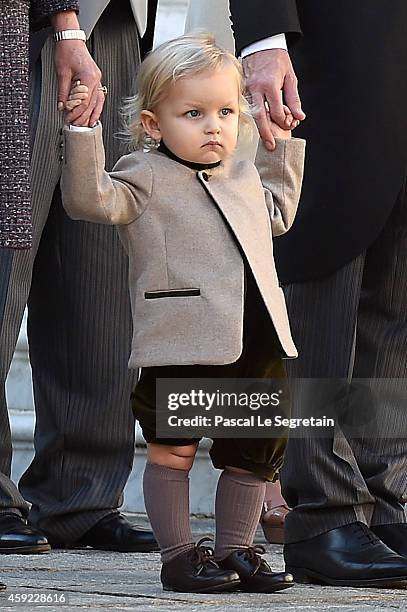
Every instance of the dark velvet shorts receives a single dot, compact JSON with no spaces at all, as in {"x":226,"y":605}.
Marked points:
{"x":260,"y":358}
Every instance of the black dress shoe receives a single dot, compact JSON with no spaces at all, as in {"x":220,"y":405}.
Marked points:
{"x":255,"y":573}
{"x":16,"y":537}
{"x":195,"y":571}
{"x":346,"y":556}
{"x":394,"y":536}
{"x":115,"y":532}
{"x":2,"y":587}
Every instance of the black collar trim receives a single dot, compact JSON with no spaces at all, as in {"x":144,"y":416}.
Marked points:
{"x":193,"y":165}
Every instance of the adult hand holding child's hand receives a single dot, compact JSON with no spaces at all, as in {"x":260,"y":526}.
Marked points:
{"x":269,"y":76}
{"x":73,"y":62}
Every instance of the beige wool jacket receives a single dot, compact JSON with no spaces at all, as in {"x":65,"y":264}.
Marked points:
{"x":182,"y":230}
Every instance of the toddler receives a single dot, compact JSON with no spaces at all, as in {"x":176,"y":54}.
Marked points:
{"x":197,"y":225}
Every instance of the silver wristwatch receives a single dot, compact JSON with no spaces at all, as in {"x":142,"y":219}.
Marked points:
{"x":69,"y":35}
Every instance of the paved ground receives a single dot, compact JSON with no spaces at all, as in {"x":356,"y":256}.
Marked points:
{"x":95,"y":580}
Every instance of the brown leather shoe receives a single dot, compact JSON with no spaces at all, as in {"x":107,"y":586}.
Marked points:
{"x":272,"y":522}
{"x":195,"y":571}
{"x":256,"y":576}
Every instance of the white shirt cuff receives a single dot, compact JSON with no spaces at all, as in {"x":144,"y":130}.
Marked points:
{"x":81,"y":128}
{"x":272,"y":42}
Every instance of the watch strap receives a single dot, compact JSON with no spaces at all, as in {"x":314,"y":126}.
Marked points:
{"x":69,"y":35}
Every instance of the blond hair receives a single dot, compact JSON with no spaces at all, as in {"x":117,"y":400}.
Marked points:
{"x":181,"y":57}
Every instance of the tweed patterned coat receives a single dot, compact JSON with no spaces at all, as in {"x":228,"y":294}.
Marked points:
{"x":15,"y":18}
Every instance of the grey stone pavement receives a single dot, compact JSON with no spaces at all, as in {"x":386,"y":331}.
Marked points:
{"x":95,"y":580}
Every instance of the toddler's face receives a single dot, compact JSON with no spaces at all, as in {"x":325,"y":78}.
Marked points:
{"x":199,"y":118}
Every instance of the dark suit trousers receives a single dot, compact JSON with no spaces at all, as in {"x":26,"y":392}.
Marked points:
{"x":79,"y":323}
{"x":353,"y":323}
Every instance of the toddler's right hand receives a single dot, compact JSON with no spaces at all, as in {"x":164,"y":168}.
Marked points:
{"x":77,"y":94}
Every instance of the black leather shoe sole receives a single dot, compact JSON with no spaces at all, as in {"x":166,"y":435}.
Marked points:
{"x":281,"y":586}
{"x":233,"y":585}
{"x":36,"y":549}
{"x":306,"y":576}
{"x":140,"y":548}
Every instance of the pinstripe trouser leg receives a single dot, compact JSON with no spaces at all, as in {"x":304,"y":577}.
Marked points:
{"x":79,"y":327}
{"x":11,"y":312}
{"x":381,"y":354}
{"x":331,"y":482}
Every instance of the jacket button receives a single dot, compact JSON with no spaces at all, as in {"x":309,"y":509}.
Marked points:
{"x":205,"y":176}
{"x":61,"y":158}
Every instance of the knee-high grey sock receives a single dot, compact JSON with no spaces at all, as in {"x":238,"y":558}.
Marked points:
{"x":239,"y":500}
{"x":166,"y":496}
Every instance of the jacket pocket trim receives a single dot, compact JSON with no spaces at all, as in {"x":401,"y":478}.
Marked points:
{"x":153,"y":295}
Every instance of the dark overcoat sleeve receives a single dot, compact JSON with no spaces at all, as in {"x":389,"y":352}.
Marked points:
{"x":41,"y":10}
{"x":350,"y":62}
{"x":258,"y":19}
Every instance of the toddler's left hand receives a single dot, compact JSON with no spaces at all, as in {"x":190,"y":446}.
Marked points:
{"x":290,"y":122}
